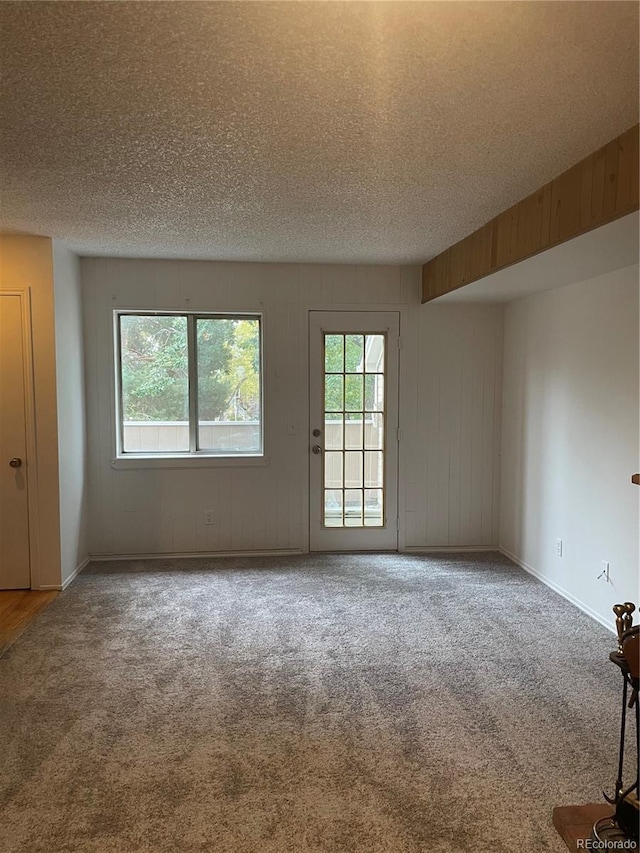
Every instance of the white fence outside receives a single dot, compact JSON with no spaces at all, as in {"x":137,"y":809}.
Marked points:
{"x":173,"y":436}
{"x":244,"y":437}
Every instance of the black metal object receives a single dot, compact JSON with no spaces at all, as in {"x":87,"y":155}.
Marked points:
{"x":624,"y":824}
{"x":623,"y":724}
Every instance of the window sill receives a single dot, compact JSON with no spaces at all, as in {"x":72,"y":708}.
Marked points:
{"x":156,"y":460}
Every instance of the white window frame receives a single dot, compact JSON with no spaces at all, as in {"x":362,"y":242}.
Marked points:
{"x":193,"y":456}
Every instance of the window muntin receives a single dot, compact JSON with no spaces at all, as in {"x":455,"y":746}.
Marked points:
{"x":189,"y":384}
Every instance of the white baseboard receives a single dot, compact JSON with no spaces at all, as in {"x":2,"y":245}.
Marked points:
{"x":194,"y":555}
{"x":446,"y":549}
{"x":282,"y":552}
{"x":46,"y":587}
{"x":557,"y":588}
{"x":68,"y":581}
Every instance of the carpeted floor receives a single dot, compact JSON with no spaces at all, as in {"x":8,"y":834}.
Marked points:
{"x":327,"y":703}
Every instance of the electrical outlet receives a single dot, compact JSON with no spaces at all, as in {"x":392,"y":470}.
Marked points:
{"x":558,"y":547}
{"x":209,"y":517}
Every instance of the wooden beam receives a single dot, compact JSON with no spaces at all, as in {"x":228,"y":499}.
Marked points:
{"x":599,"y":189}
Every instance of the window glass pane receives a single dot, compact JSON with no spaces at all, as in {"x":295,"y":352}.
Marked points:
{"x":374,"y":392}
{"x":374,"y":354}
{"x":353,"y":431}
{"x":228,"y":364}
{"x":373,"y":469}
{"x":353,"y":397}
{"x":353,"y":508}
{"x":333,"y":470}
{"x":333,"y":393}
{"x":373,"y":515}
{"x":332,"y":432}
{"x":353,"y":469}
{"x":334,"y":353}
{"x":354,"y":353}
{"x":333,"y":507}
{"x":374,"y":432}
{"x":154,"y":383}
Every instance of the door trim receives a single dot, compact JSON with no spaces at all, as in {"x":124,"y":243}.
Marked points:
{"x":24,"y":294}
{"x":399,"y":312}
{"x":300,"y":411}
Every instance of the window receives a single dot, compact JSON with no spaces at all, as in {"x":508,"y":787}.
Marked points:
{"x":189,"y":384}
{"x":354,"y":406}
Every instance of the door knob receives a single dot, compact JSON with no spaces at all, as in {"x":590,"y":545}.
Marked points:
{"x":16,"y":462}
{"x":316,"y":449}
{"x":317,"y":432}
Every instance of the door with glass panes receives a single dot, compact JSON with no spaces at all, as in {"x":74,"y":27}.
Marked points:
{"x":353,"y":430}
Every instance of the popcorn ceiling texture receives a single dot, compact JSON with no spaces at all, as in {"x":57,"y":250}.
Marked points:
{"x":329,"y":132}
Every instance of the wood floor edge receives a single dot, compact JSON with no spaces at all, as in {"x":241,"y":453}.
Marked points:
{"x":20,"y":608}
{"x":574,"y":823}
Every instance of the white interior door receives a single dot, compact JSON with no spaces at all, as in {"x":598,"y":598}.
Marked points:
{"x":353,"y":426}
{"x":14,"y":508}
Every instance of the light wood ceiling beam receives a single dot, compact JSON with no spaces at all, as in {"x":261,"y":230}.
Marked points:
{"x":597,"y":190}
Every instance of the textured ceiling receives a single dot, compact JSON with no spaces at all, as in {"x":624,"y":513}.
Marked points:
{"x":324,"y":131}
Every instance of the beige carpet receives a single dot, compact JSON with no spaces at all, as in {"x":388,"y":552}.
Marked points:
{"x":328,"y":703}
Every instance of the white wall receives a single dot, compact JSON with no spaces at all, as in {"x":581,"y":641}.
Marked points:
{"x":451,"y":421}
{"x":26,"y":263}
{"x":450,"y":392}
{"x":570,"y":430}
{"x":72,"y":442}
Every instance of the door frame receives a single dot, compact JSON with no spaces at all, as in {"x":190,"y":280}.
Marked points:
{"x":303,"y":410}
{"x":24,"y":294}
